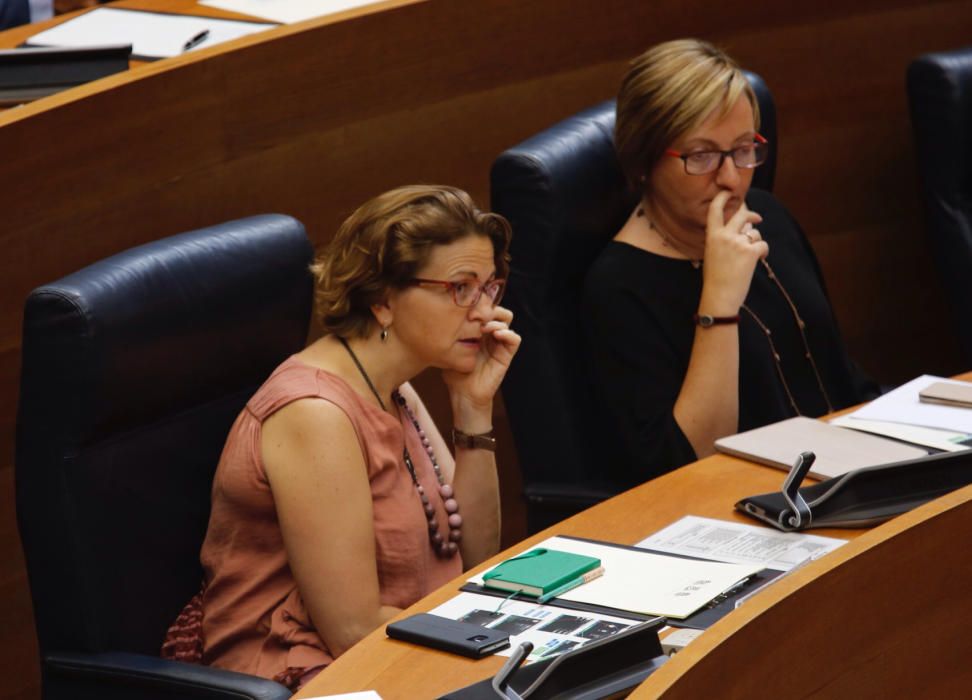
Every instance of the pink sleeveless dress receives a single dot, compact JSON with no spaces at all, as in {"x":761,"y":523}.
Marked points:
{"x":249,"y":616}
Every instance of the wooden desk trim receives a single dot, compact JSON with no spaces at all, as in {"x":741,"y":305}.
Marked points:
{"x":763,"y":638}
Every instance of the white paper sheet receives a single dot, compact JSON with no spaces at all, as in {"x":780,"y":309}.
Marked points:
{"x":739,"y":543}
{"x":286,"y":11}
{"x":902,"y":406}
{"x":363,"y":695}
{"x":151,"y":34}
{"x":652,"y":584}
{"x":945,"y":440}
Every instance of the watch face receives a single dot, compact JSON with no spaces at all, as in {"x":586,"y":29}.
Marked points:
{"x":706,"y":321}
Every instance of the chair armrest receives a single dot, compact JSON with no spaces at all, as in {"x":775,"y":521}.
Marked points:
{"x":110,"y":675}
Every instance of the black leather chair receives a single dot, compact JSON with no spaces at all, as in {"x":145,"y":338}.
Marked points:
{"x":940,"y":94}
{"x":565,"y":196}
{"x":13,"y":13}
{"x":133,"y":371}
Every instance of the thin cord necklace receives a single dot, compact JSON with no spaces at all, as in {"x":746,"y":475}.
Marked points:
{"x":444,"y":547}
{"x":667,"y":240}
{"x":800,"y":323}
{"x":801,"y":327}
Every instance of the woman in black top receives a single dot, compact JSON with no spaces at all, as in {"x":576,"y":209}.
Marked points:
{"x":707,"y":313}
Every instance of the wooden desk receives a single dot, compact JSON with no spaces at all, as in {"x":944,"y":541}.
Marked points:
{"x":887,"y":615}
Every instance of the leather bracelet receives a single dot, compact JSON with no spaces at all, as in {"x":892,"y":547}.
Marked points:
{"x":707,"y":321}
{"x":482,"y":441}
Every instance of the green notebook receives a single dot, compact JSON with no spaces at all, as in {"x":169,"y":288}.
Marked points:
{"x":539,"y":571}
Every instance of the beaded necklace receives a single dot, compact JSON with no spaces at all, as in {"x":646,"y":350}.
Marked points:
{"x":444,"y":547}
{"x":801,"y":326}
{"x":800,"y":323}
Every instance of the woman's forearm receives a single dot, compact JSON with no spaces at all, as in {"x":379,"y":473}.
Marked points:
{"x":477,"y":486}
{"x":707,"y":406}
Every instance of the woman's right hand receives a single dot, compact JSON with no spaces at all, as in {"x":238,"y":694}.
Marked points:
{"x":732,"y":249}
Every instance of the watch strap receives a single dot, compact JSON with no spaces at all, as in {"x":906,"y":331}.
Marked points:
{"x":707,"y":321}
{"x":481,"y":441}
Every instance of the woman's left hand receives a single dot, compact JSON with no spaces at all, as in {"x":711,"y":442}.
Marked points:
{"x":499,"y":345}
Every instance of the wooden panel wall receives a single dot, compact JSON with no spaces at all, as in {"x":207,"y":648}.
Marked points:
{"x":313,"y":119}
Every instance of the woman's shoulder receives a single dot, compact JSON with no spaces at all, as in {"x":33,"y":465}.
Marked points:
{"x":618,"y":261}
{"x":294,"y":380}
{"x":621,"y":268}
{"x":308,"y":404}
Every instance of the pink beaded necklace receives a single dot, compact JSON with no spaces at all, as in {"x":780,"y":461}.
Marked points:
{"x":444,"y":547}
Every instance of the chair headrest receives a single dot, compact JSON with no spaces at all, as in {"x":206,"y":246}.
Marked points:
{"x":564,"y":190}
{"x":126,"y":336}
{"x":940,"y":96}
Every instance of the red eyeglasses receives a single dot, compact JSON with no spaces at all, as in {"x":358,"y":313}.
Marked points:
{"x":467,"y":293}
{"x":702,"y":162}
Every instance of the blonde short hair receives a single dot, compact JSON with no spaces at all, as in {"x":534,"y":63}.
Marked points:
{"x":383,"y":244}
{"x":669,"y":90}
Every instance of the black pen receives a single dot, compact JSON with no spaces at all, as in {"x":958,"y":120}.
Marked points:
{"x":196,"y":40}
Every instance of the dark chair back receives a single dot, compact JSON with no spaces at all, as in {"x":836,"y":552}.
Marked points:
{"x":133,"y":371}
{"x":940,"y":94}
{"x":13,"y":13}
{"x":565,"y":195}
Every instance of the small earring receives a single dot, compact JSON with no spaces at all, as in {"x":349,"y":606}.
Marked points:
{"x":384,"y":334}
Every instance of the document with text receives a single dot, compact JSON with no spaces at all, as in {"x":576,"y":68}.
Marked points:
{"x":738,"y":543}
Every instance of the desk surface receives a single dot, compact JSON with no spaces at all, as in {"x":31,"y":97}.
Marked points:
{"x":18,"y":35}
{"x":807,"y":608}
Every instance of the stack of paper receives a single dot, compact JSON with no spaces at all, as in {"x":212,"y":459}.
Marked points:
{"x":737,"y":543}
{"x":899,"y":414}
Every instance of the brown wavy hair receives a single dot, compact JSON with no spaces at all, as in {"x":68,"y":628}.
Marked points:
{"x":384,"y":243}
{"x":670,"y":89}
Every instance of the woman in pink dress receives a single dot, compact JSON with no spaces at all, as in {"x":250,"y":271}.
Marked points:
{"x":337,"y":502}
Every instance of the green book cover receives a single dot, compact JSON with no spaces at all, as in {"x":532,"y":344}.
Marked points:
{"x":539,"y":571}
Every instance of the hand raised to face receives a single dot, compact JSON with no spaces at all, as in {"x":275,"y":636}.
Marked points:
{"x":732,"y":249}
{"x":499,"y":345}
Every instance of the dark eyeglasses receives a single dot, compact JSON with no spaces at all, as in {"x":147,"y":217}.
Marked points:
{"x":703,"y":162}
{"x":466,"y":294}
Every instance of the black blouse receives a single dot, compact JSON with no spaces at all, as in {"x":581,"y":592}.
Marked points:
{"x":637,"y":311}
